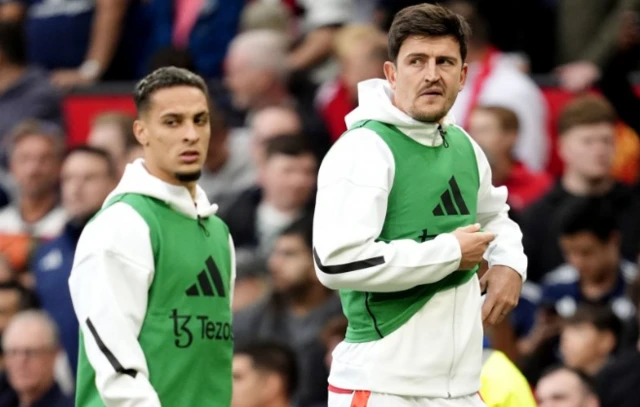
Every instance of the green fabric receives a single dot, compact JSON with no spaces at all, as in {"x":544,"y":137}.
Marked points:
{"x":435,"y":190}
{"x":186,"y":334}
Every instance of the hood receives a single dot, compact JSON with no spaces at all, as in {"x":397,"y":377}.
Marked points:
{"x":137,"y":180}
{"x":375,"y":103}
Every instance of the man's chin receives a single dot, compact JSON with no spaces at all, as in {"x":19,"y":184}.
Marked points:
{"x":428,"y":116}
{"x":188,"y":176}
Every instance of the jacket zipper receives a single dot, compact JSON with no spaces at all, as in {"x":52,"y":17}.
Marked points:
{"x":453,"y":341}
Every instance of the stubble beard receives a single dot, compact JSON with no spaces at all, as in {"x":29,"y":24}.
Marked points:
{"x":188,"y":176}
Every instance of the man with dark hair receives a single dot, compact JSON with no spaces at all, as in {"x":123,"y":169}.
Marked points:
{"x":295,"y":312}
{"x":152,"y":278}
{"x":594,"y":273}
{"x":25,"y":92}
{"x":264,"y":375}
{"x":401,"y":199}
{"x":586,"y":146}
{"x":88,"y":175}
{"x":285,"y":192}
{"x":562,"y":386}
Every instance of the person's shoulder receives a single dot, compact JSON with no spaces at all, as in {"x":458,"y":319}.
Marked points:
{"x":561,"y":276}
{"x":116,"y":225}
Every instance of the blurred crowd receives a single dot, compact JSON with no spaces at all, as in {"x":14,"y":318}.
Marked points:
{"x":283,"y":74}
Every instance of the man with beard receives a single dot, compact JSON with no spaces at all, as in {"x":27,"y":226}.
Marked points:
{"x":87,"y":177}
{"x":296,"y":312}
{"x":401,"y":200}
{"x":153,"y":274}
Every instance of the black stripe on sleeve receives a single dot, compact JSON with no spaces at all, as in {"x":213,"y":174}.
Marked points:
{"x":347,"y":267}
{"x":110,"y":357}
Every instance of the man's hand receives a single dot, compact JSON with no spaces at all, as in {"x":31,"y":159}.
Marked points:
{"x":473,"y":244}
{"x":503,"y":285}
{"x":578,"y":76}
{"x":69,"y":78}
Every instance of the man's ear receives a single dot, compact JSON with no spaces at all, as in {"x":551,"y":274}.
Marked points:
{"x":390,"y":73}
{"x":141,"y":133}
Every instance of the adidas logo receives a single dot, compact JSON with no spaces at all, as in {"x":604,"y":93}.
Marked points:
{"x":447,"y":207}
{"x":203,"y":286}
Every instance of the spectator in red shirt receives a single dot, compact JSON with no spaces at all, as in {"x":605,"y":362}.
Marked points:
{"x":496,"y":131}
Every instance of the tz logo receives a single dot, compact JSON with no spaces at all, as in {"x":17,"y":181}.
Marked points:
{"x":184,"y":337}
{"x":205,"y":329}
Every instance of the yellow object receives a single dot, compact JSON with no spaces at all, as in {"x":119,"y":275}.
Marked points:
{"x":502,"y":384}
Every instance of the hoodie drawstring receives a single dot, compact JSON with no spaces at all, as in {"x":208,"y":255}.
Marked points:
{"x":443,"y":133}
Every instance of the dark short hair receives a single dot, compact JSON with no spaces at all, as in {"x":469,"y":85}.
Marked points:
{"x":427,"y":20}
{"x":292,"y":145}
{"x":13,"y":43}
{"x":586,"y":110}
{"x":163,"y":78}
{"x":591,"y":215}
{"x":587,"y":383}
{"x":96,"y":152}
{"x":302,"y":227}
{"x":601,"y":316}
{"x":273,"y":357}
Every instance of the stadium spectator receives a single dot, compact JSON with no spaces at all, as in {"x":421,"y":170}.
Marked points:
{"x":594,"y":274}
{"x":361,"y":50}
{"x":257,"y":76}
{"x":202,"y":29}
{"x":496,"y":129}
{"x":113,"y":132}
{"x":35,"y":154}
{"x":494,"y":79}
{"x":25,"y":92}
{"x":586,"y":146}
{"x":264,"y":375}
{"x":30,"y":345}
{"x":320,"y":20}
{"x":296,"y":312}
{"x":268,"y":123}
{"x":590,"y":338}
{"x":227,"y":171}
{"x":619,"y":382}
{"x":101,"y":39}
{"x":284,"y":194}
{"x":561,"y":386}
{"x":88,"y":176}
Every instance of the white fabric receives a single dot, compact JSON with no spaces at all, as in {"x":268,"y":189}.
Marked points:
{"x":386,"y":400}
{"x":112,"y":272}
{"x":508,"y":87}
{"x":48,"y":227}
{"x":437,"y":353}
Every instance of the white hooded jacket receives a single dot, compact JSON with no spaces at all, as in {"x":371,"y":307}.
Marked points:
{"x":112,"y":272}
{"x":438,"y":352}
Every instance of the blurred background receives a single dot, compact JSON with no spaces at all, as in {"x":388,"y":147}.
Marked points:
{"x":552,"y":97}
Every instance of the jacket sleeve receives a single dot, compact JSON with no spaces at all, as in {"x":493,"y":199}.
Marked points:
{"x":353,"y":187}
{"x":493,"y":216}
{"x":113,"y":270}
